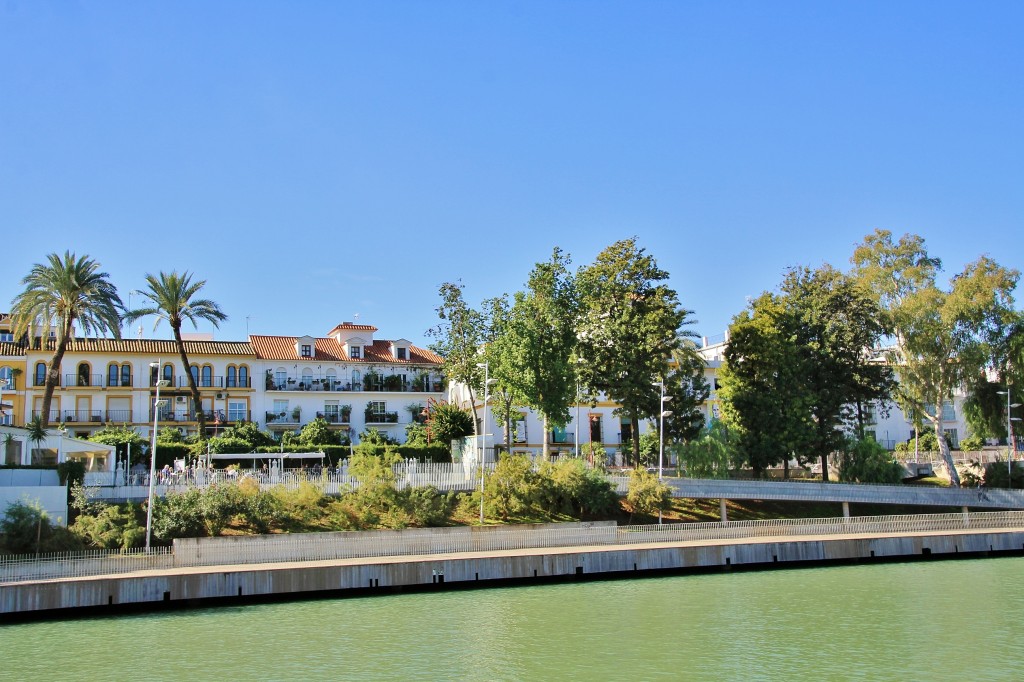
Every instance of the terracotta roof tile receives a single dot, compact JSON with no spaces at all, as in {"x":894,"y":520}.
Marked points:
{"x":157,"y":346}
{"x":329,"y":350}
{"x":348,"y":326}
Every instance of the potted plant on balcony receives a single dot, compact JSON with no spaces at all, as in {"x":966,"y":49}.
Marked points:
{"x":346,"y":413}
{"x":269,"y":381}
{"x":296,"y":411}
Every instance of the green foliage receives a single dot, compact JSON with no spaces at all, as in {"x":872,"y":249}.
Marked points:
{"x":168,"y":436}
{"x":26,"y":528}
{"x":122,"y":438}
{"x":650,"y":446}
{"x":997,"y":475}
{"x":225,"y":445}
{"x":458,"y":337}
{"x":709,"y":456}
{"x":66,"y":295}
{"x":944,"y":337}
{"x":647,"y":495}
{"x":571,"y":487}
{"x":796,"y":362}
{"x":926,"y":442}
{"x":166,"y":453}
{"x":374,"y":436}
{"x":367,"y":468}
{"x":317,"y":432}
{"x":972,"y":443}
{"x":510,"y":490}
{"x":112,"y":526}
{"x":416,"y":434}
{"x":71,"y":472}
{"x":178,"y":515}
{"x":594,"y":454}
{"x":630,"y":324}
{"x":250,"y":432}
{"x":448,"y":422}
{"x":866,"y":461}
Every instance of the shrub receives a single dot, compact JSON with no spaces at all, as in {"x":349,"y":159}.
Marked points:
{"x":26,"y":528}
{"x":972,"y":443}
{"x":113,"y":526}
{"x":178,"y":515}
{"x":511,"y":488}
{"x":647,"y":495}
{"x":997,"y":476}
{"x":866,"y":461}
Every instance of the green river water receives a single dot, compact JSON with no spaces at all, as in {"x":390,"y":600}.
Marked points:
{"x":940,"y":620}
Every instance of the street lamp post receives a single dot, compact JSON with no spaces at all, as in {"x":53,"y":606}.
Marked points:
{"x":1011,"y":444}
{"x":483,"y":451}
{"x":662,"y":413}
{"x":152,"y":454}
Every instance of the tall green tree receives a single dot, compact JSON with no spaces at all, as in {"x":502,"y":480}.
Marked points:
{"x":762,"y":395}
{"x":628,"y":328}
{"x":65,"y":293}
{"x":540,"y":339}
{"x":458,"y":338}
{"x":808,"y":350}
{"x":501,"y":354}
{"x":173,"y":297}
{"x":943,"y":336}
{"x":685,"y":383}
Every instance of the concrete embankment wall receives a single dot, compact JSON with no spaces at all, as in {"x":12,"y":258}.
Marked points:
{"x":193,"y":586}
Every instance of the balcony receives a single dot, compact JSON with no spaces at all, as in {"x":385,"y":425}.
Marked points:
{"x":218,"y":382}
{"x":283,"y":420}
{"x":83,"y":380}
{"x":335,"y":418}
{"x":381,"y":418}
{"x":175,"y":416}
{"x":369,"y":384}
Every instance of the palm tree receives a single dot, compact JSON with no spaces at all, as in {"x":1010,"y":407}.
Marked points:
{"x":57,"y":295}
{"x":171,"y":298}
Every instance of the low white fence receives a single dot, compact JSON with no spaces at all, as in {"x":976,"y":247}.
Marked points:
{"x":264,"y":549}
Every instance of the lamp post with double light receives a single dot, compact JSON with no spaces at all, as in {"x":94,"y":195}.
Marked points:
{"x":662,"y":413}
{"x":157,"y":404}
{"x":1011,"y":444}
{"x":485,"y":366}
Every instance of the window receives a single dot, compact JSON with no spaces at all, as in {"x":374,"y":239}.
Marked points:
{"x":332,"y":412}
{"x":83,"y":374}
{"x":207,"y":373}
{"x":236,"y":410}
{"x":169,"y":374}
{"x":243,"y":376}
{"x":357,"y":380}
{"x":948,"y":413}
{"x":195,"y":374}
{"x":232,"y":376}
{"x":7,"y":378}
{"x":126,"y":374}
{"x":402,"y":354}
{"x":952,"y":437}
{"x":378,"y":407}
{"x":113,"y":372}
{"x":280,"y":377}
{"x":280,"y":406}
{"x":40,"y":374}
{"x":307,"y":350}
{"x":6,"y":336}
{"x":595,"y":429}
{"x":355,"y":352}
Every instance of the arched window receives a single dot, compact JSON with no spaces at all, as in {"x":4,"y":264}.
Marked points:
{"x":126,"y":374}
{"x":280,"y":377}
{"x":112,"y":374}
{"x":307,"y":378}
{"x":332,"y":379}
{"x":40,"y":374}
{"x":207,"y":375}
{"x":232,"y":376}
{"x":169,"y":374}
{"x":357,"y":380}
{"x":243,"y":376}
{"x":195,"y":374}
{"x":83,"y":374}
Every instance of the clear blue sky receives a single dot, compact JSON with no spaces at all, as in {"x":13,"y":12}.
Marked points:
{"x":313,"y":160}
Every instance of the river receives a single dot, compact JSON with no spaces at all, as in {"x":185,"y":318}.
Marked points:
{"x":937,"y":620}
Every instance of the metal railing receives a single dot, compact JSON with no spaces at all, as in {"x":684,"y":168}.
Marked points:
{"x":353,"y":545}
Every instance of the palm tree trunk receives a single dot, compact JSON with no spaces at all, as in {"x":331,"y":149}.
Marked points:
{"x":197,"y":402}
{"x":947,"y":458}
{"x":53,"y":370}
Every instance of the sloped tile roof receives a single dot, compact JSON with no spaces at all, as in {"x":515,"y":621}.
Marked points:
{"x":348,"y":326}
{"x":329,"y":350}
{"x":157,"y":346}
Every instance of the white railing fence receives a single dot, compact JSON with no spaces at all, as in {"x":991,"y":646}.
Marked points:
{"x":265,"y":549}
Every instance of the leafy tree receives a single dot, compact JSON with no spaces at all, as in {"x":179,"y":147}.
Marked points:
{"x":416,"y":434}
{"x":317,"y":432}
{"x":629,"y":326}
{"x":126,"y":439}
{"x":458,"y":338}
{"x":37,"y":433}
{"x":65,"y":294}
{"x":374,"y":436}
{"x":113,"y":526}
{"x":447,"y":422}
{"x":708,"y":456}
{"x":172,"y":297}
{"x":685,"y":382}
{"x":760,"y":386}
{"x":250,"y":432}
{"x":539,"y":341}
{"x":510,"y":490}
{"x":26,"y":527}
{"x":806,"y":350}
{"x":866,"y":461}
{"x":501,"y":353}
{"x":943,"y":337}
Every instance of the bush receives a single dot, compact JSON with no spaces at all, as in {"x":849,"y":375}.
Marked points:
{"x":113,"y":526}
{"x":178,"y":515}
{"x":972,"y":443}
{"x":26,"y":528}
{"x":511,"y":489}
{"x":647,"y":495}
{"x":866,"y":461}
{"x":997,"y":476}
